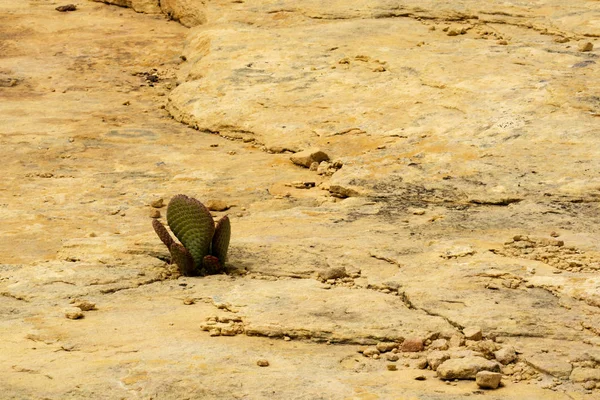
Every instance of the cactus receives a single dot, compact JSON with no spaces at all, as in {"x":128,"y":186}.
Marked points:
{"x":203,"y":248}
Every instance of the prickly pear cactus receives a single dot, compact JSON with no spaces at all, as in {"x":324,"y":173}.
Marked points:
{"x":203,"y":248}
{"x":220,"y":241}
{"x":192,"y":224}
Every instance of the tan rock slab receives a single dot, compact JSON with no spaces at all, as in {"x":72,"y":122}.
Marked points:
{"x":465,"y":368}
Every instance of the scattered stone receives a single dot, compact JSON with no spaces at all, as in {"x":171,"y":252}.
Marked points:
{"x":458,"y":252}
{"x":384,"y":347}
{"x":392,"y":367}
{"x":589,"y":385}
{"x":379,"y":68}
{"x":214,"y":332}
{"x":307,"y":157}
{"x":262,"y":363}
{"x":228,"y":331}
{"x":465,"y":368}
{"x":561,"y":39}
{"x":473,"y":333}
{"x":73,"y":313}
{"x":421,"y":363}
{"x":188,"y":301}
{"x":436,"y":358}
{"x":370,"y":351}
{"x":412,"y":345}
{"x":303,"y":185}
{"x":502,"y":42}
{"x":314,"y":166}
{"x":456,"y":340}
{"x":392,"y":357}
{"x":217,"y":205}
{"x":333,"y":273}
{"x":585,"y":46}
{"x":159,"y":203}
{"x":454,"y":31}
{"x":585,"y":374}
{"x":155,"y":214}
{"x":420,"y":378}
{"x":506,"y":355}
{"x":66,"y":7}
{"x":484,"y":347}
{"x":85,"y":305}
{"x":488,"y":380}
{"x":439,"y":344}
{"x":461,"y":353}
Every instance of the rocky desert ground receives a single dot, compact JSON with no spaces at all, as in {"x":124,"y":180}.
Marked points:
{"x":413,"y":188}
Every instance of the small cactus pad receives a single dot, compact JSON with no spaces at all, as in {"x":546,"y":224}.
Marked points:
{"x":192,"y":224}
{"x":211,"y":265}
{"x":220,"y":241}
{"x":162,"y":233}
{"x":183,"y":259}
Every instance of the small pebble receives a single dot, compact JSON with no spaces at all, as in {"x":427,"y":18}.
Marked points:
{"x":370,"y":351}
{"x":217,"y":205}
{"x":589,"y":385}
{"x":85,"y":305}
{"x":67,"y":7}
{"x":73,"y":313}
{"x":188,"y":301}
{"x":154,"y":214}
{"x":585,"y":46}
{"x":420,"y":378}
{"x":157,"y":203}
{"x":262,"y":363}
{"x":392,"y":367}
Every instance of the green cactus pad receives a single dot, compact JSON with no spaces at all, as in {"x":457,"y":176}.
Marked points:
{"x":192,"y":224}
{"x":183,"y":259}
{"x":162,"y":233}
{"x":220,"y":241}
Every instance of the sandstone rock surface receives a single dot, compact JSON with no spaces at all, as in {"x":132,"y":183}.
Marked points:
{"x":463,"y":193}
